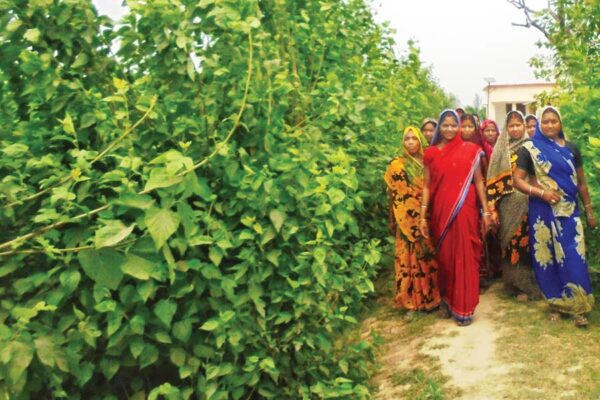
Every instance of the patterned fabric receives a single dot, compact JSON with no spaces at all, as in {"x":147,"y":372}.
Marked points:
{"x":455,"y":220}
{"x":416,"y":277}
{"x":511,"y":204}
{"x":556,"y":231}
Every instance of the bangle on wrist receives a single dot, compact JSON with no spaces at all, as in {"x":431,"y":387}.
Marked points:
{"x":542,"y":194}
{"x":487,"y":213}
{"x":530,"y":190}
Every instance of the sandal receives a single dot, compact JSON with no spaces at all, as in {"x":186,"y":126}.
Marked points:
{"x":522,"y":297}
{"x":464,"y":323}
{"x":554,"y":316}
{"x":581,"y":321}
{"x":409,"y":316}
{"x":444,"y":312}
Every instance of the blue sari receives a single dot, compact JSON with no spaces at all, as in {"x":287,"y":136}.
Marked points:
{"x":556,"y":231}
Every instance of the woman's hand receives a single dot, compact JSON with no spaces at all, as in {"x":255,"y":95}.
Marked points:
{"x":591,"y":218}
{"x":551,"y":196}
{"x":424,"y":228}
{"x":486,"y":224}
{"x":495,"y":220}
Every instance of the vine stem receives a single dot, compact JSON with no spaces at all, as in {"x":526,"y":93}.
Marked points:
{"x":14,"y":243}
{"x":238,"y":118}
{"x":97,"y":158}
{"x":18,"y":240}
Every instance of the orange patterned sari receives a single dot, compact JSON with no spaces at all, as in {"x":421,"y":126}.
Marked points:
{"x":415,"y":263}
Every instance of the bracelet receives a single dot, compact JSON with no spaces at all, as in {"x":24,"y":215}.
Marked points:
{"x":542,"y":194}
{"x":423,"y":206}
{"x":485,"y":214}
{"x":530,"y":190}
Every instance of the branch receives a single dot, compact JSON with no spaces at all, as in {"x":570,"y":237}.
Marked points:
{"x":529,"y":21}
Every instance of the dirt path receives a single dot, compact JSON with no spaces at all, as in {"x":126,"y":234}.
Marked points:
{"x":462,"y":360}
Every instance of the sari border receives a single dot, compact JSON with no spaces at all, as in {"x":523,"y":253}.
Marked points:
{"x":461,"y":199}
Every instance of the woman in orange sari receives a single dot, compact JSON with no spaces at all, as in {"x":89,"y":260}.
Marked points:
{"x":454,"y":182}
{"x":415,"y":265}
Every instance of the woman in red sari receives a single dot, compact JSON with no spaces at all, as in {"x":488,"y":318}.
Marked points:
{"x":453,"y":183}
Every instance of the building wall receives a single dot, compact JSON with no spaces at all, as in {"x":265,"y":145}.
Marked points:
{"x":502,"y":95}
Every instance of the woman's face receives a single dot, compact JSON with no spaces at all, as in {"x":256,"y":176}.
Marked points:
{"x":490,"y":133}
{"x":468,"y":130}
{"x":515,"y":127}
{"x":550,"y":124}
{"x":411,"y":143}
{"x":428,"y":131}
{"x":531,"y":126}
{"x":448,"y":128}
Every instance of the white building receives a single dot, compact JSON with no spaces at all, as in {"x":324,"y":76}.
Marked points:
{"x":503,"y":97}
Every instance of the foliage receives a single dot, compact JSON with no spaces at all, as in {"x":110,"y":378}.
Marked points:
{"x":198,"y":213}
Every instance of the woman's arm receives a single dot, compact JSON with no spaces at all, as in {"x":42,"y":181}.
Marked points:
{"x":392,"y":217}
{"x":480,"y":189}
{"x":582,"y":188}
{"x":521,"y":183}
{"x":423,"y":226}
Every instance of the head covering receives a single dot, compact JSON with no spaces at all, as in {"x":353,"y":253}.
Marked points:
{"x":500,"y":182}
{"x":413,"y":166}
{"x":541,"y":113}
{"x":528,"y":117}
{"x":427,"y":121}
{"x":436,"y":135}
{"x":488,"y":148}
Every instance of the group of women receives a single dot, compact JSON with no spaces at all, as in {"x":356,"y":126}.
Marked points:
{"x":464,"y":194}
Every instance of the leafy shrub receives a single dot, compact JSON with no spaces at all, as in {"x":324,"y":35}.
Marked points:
{"x":199,"y":213}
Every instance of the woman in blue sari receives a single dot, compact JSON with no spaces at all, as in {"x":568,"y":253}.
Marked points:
{"x":555,"y":170}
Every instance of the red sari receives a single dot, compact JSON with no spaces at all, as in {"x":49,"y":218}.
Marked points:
{"x":455,"y":223}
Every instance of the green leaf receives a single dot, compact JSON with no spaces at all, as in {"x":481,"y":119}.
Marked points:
{"x":182,"y":330}
{"x":22,"y":354}
{"x":80,"y":61}
{"x":133,"y":200}
{"x":160,"y":178}
{"x":178,"y":356}
{"x":162,"y":224}
{"x":165,"y":310}
{"x":103,"y":266}
{"x":336,"y":196}
{"x":32,"y":35}
{"x":211,"y":324}
{"x":49,"y":353}
{"x":138,"y":267}
{"x":68,"y":125}
{"x":70,"y":280}
{"x":277,"y":218}
{"x":112,"y":233}
{"x":320,"y":253}
{"x":216,"y":255}
{"x":594,"y":141}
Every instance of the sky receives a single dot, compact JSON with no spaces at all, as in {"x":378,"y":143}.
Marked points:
{"x":463,"y":41}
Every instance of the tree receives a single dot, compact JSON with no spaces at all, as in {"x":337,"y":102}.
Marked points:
{"x":572,"y":31}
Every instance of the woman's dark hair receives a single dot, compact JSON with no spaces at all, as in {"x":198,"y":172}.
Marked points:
{"x":530,"y":117}
{"x":477,"y":133}
{"x":512,"y":114}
